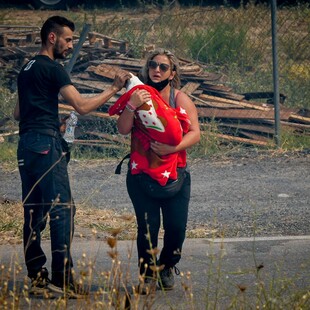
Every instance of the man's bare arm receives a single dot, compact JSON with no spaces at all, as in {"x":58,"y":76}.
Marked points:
{"x":16,"y":112}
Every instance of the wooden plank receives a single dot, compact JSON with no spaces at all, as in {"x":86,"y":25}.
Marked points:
{"x":240,"y":140}
{"x":255,"y":137}
{"x":302,"y":119}
{"x":235,"y":102}
{"x":108,"y":42}
{"x":218,"y":105}
{"x":67,"y":107}
{"x":119,"y":63}
{"x":95,"y":85}
{"x":6,"y":134}
{"x":206,"y":85}
{"x":207,"y":77}
{"x":190,"y":87}
{"x":105,"y":70}
{"x":114,"y":138}
{"x":97,"y":143}
{"x":198,"y":102}
{"x":3,"y":40}
{"x":83,"y":86}
{"x":240,"y":114}
{"x":223,"y":94}
{"x":249,"y":127}
{"x":190,"y":68}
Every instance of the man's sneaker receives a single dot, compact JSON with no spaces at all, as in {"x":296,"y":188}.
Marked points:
{"x":147,"y":287}
{"x":72,"y":291}
{"x":39,"y":284}
{"x":166,"y":280}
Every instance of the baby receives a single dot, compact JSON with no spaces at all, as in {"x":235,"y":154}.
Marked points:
{"x":154,"y":120}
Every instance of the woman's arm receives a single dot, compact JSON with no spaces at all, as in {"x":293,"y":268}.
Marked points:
{"x":191,"y":137}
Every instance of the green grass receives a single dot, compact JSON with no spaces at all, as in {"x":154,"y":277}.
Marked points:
{"x":8,"y":154}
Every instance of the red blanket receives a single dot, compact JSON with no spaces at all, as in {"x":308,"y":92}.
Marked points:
{"x":154,"y":121}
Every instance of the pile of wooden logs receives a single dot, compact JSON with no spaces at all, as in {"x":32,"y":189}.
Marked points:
{"x":236,"y":116}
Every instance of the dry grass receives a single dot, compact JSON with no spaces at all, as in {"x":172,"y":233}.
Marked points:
{"x":90,"y":223}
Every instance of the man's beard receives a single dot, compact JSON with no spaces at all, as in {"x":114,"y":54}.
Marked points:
{"x":58,"y":52}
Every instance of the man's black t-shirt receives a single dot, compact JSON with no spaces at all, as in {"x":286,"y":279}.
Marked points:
{"x":39,"y":83}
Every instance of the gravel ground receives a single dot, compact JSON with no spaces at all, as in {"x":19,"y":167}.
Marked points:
{"x":236,"y":196}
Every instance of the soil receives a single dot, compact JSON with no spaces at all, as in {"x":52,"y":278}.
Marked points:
{"x":240,"y":195}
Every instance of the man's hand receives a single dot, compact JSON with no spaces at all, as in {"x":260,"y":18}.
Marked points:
{"x":120,"y":79}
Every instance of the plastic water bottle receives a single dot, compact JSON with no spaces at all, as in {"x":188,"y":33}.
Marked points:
{"x":70,"y":127}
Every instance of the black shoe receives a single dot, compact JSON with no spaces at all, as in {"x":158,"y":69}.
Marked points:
{"x":166,"y":280}
{"x":39,"y":283}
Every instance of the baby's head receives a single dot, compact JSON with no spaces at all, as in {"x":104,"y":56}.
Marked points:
{"x":133,"y":81}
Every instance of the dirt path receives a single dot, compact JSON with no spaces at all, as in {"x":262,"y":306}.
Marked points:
{"x":237,"y":197}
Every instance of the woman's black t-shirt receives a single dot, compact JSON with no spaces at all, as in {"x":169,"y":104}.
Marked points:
{"x":39,"y":83}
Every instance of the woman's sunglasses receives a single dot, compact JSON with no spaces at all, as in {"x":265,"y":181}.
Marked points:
{"x":162,"y":67}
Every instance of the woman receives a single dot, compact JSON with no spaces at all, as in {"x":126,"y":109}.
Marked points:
{"x":161,"y":71}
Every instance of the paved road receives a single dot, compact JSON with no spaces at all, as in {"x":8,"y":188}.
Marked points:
{"x":219,"y":270}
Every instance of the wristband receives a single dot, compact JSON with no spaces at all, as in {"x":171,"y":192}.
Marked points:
{"x":131,"y":106}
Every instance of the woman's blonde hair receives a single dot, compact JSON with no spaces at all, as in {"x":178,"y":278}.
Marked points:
{"x":174,"y":63}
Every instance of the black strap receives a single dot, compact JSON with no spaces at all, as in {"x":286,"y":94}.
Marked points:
{"x":172,"y":102}
{"x":119,"y":166}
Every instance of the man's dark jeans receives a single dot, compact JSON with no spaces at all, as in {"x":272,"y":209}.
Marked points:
{"x":46,"y":192}
{"x":148,"y":214}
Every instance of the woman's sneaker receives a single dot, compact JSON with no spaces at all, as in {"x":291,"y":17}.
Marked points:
{"x":71,"y":291}
{"x":40,"y":283}
{"x":166,"y":278}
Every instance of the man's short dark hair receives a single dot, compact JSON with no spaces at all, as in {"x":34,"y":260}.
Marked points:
{"x":55,"y":24}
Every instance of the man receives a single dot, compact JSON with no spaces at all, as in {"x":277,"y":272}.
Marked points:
{"x":41,"y":155}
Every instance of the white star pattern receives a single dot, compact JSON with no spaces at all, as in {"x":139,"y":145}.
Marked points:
{"x":166,"y":174}
{"x":134,"y":165}
{"x":182,"y":111}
